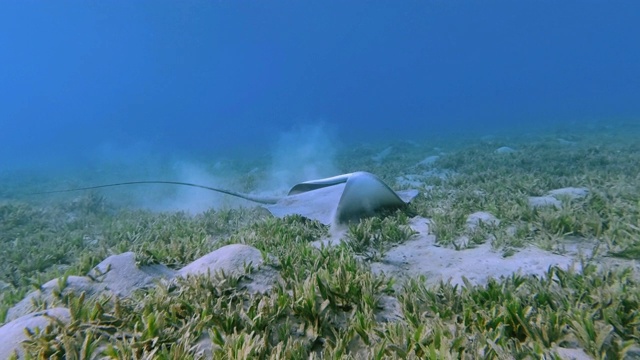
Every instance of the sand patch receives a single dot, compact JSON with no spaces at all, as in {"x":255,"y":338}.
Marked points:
{"x":423,"y":256}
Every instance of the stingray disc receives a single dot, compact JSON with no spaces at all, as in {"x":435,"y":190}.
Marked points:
{"x":340,"y":199}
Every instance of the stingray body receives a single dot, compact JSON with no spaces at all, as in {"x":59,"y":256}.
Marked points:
{"x":332,"y":201}
{"x":341,"y":199}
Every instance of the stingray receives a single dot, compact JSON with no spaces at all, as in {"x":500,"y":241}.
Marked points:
{"x":332,"y":201}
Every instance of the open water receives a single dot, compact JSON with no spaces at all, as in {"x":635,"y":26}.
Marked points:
{"x":135,"y":88}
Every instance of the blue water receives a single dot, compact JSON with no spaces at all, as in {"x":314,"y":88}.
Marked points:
{"x":81,"y":79}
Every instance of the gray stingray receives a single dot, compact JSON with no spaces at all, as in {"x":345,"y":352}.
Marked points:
{"x":340,"y":199}
{"x":334,"y":200}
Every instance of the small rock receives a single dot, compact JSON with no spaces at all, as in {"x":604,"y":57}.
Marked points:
{"x":483,"y":217}
{"x":204,"y":347}
{"x":572,"y":354}
{"x":231,"y":259}
{"x":551,"y":199}
{"x":410,"y":180}
{"x":505,"y":150}
{"x":542,"y":201}
{"x":567,"y":142}
{"x":633,"y":353}
{"x":440,"y":174}
{"x":421,"y":225}
{"x":120,"y":275}
{"x":570,"y":192}
{"x":261,"y":280}
{"x":76,"y":284}
{"x":429,"y":160}
{"x":379,"y":157}
{"x":390,"y":309}
{"x":12,"y":334}
{"x":117,"y":274}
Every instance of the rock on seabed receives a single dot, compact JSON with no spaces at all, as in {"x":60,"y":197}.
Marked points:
{"x":230,"y":259}
{"x":12,"y":334}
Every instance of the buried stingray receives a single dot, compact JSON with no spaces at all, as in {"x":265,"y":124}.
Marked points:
{"x":332,"y":201}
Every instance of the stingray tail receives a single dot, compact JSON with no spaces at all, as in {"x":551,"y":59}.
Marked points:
{"x":257,"y":199}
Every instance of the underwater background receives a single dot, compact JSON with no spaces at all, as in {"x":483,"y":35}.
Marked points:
{"x":89,"y":83}
{"x":511,"y":126}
